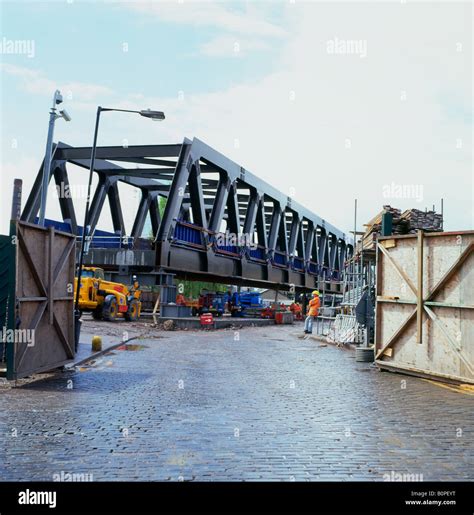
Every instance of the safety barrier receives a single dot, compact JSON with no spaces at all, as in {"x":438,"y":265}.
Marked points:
{"x":298,"y":264}
{"x":227,"y":249}
{"x":257,"y":253}
{"x":347,"y":330}
{"x":279,"y":259}
{"x":323,"y":325}
{"x":187,"y":233}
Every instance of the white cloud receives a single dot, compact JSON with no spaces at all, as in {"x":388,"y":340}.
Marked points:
{"x":231,"y":46}
{"x":240,"y":31}
{"x":34,"y":81}
{"x":210,"y":14}
{"x":293,"y":125}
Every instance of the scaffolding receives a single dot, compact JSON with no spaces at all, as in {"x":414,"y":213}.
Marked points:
{"x":357,"y":297}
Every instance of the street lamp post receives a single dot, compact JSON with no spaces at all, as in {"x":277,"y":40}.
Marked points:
{"x":147,"y":113}
{"x":53,"y":116}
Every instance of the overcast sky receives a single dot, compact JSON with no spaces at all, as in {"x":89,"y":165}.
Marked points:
{"x":326,"y":101}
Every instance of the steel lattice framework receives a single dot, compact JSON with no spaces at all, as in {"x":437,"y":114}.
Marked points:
{"x":220,"y":221}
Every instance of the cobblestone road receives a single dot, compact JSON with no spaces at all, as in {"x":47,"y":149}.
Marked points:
{"x":206,"y":406}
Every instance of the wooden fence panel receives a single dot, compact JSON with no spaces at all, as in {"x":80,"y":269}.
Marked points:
{"x":425,"y":305}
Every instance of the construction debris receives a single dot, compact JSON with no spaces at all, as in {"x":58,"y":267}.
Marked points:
{"x":426,"y":220}
{"x":169,"y":325}
{"x":406,"y":222}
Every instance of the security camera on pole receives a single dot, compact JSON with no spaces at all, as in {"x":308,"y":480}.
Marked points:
{"x":53,"y":116}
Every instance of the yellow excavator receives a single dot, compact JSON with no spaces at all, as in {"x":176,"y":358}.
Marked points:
{"x":107,"y":300}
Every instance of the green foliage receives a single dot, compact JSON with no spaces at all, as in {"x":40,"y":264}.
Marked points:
{"x":161,"y":210}
{"x":161,"y":205}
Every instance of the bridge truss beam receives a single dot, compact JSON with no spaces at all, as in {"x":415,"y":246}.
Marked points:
{"x":219,"y":220}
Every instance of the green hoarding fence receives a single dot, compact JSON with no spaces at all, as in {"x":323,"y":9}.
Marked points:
{"x":7,"y":296}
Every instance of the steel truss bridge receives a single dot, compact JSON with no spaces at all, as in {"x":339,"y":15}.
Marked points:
{"x":207,"y":196}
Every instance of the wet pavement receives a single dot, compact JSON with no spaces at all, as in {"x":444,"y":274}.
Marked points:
{"x":249,"y":404}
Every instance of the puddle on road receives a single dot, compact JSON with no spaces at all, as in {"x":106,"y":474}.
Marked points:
{"x":132,"y":347}
{"x":99,"y":364}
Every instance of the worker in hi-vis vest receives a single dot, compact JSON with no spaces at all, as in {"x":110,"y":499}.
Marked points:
{"x":313,"y":311}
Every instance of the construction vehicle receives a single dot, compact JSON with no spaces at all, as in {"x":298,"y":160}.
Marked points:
{"x":107,"y":300}
{"x":211,"y":302}
{"x":246,"y":304}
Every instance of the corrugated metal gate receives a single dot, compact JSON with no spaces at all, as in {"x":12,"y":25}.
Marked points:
{"x":36,"y":299}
